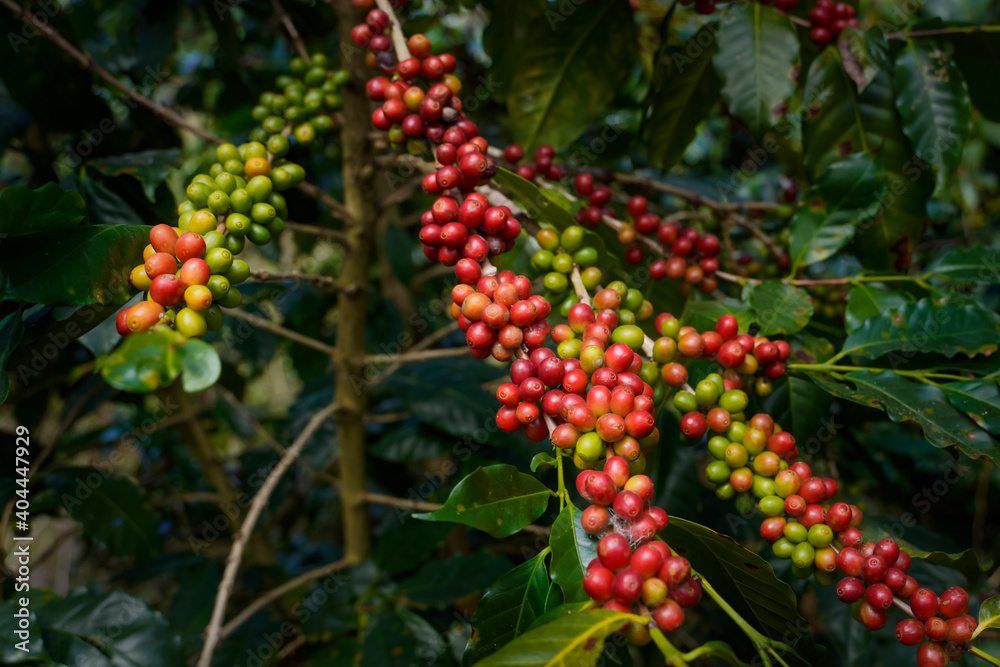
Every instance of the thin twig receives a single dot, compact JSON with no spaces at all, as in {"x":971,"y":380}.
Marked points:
{"x":264,"y":323}
{"x":337,"y":209}
{"x":322,"y":281}
{"x":212,"y":633}
{"x":275,"y":593}
{"x":395,"y":30}
{"x":293,"y":33}
{"x":418,"y":355}
{"x":315,"y":230}
{"x":422,"y":345}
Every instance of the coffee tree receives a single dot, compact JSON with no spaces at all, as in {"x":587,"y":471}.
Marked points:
{"x":724,"y":269}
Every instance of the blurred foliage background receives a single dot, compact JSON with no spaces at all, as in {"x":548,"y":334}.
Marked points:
{"x":177,"y":470}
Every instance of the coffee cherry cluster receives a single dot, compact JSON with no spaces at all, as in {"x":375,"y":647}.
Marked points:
{"x":750,"y":363}
{"x":559,"y":254}
{"x":189,"y":271}
{"x":876,"y":577}
{"x":302,"y":109}
{"x":693,"y":256}
{"x":594,"y":415}
{"x":708,"y":6}
{"x":828,"y":19}
{"x":410,"y":115}
{"x":472,"y":230}
{"x":632,"y":572}
{"x":499,"y":314}
{"x":543,"y":165}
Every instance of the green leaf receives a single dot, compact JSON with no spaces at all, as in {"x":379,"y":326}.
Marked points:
{"x":827,"y":215}
{"x":575,"y":639}
{"x":99,"y":630}
{"x":758,"y":53}
{"x":684,"y":91}
{"x":989,"y":615}
{"x":200,"y":365}
{"x":150,"y":168}
{"x":571,"y":65}
{"x":979,"y":399}
{"x":508,"y":608}
{"x":780,"y":308}
{"x":933,"y":102}
{"x":924,"y":404}
{"x":144,"y":362}
{"x":497,"y":499}
{"x":441,"y":581}
{"x":73,"y":267}
{"x":542,"y":204}
{"x":47,"y":209}
{"x":572,"y":549}
{"x":113,"y":512}
{"x":975,"y":264}
{"x":542,"y":460}
{"x":865,"y":301}
{"x":842,"y":121}
{"x":11,"y":332}
{"x":742,"y":578}
{"x":927,"y":327}
{"x":703,"y":315}
{"x":392,"y":639}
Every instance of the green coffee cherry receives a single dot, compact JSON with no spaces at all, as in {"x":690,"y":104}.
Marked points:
{"x":238,"y":272}
{"x":555,"y":282}
{"x":259,"y":188}
{"x":227,"y":152}
{"x":232,"y":299}
{"x":278,"y":145}
{"x":628,"y":334}
{"x":218,"y":202}
{"x":585,"y":256}
{"x":258,"y":234}
{"x":219,"y":260}
{"x":542,"y":260}
{"x":214,"y":239}
{"x":198,"y":194}
{"x":237,"y":224}
{"x":235,"y":244}
{"x":241,"y":201}
{"x":219,"y":286}
{"x":563,"y":263}
{"x":572,"y":238}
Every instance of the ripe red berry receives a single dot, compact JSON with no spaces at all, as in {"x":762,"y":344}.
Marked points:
{"x":910,"y":632}
{"x":167,"y":289}
{"x":627,"y":586}
{"x":879,"y":596}
{"x":646,"y":560}
{"x":602,"y":489}
{"x":614,"y":551}
{"x":953,"y":602}
{"x":595,"y":519}
{"x":850,"y":589}
{"x":960,"y":629}
{"x":597,"y":583}
{"x":513,"y":153}
{"x":871,"y":617}
{"x":627,"y":504}
{"x":668,"y":616}
{"x":687,"y":593}
{"x":924,"y":604}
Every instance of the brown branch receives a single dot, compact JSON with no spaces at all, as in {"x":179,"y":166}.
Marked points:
{"x":86,"y":61}
{"x":277,"y":592}
{"x":322,"y":281}
{"x":314,"y":230}
{"x":415,"y":355}
{"x":422,"y":345}
{"x":277,"y":329}
{"x":212,"y":633}
{"x":293,"y":33}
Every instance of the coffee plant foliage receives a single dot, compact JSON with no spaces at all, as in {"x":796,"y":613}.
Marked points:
{"x":444,"y":332}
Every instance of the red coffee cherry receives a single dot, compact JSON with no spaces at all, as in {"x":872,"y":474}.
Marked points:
{"x":614,"y":551}
{"x":910,"y":632}
{"x":850,"y":589}
{"x":668,"y":616}
{"x":597,"y":583}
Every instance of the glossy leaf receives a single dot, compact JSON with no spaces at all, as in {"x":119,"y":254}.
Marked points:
{"x":392,"y":639}
{"x":113,"y":512}
{"x":758,"y":51}
{"x":150,"y":168}
{"x":407,"y":444}
{"x":866,"y":301}
{"x":989,"y":615}
{"x":572,"y":549}
{"x":933,"y":102}
{"x":742,"y":578}
{"x":975,"y":264}
{"x":684,"y":91}
{"x":825,"y":220}
{"x":508,"y":608}
{"x":147,"y":361}
{"x":73,"y":267}
{"x":979,"y":399}
{"x":47,"y":209}
{"x":105,"y":630}
{"x":542,"y":460}
{"x":923,"y":404}
{"x":539,"y":203}
{"x":570,"y":66}
{"x":575,"y":639}
{"x":924,"y":327}
{"x":780,"y":308}
{"x":842,"y":121}
{"x":497,"y":499}
{"x":440,"y":581}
